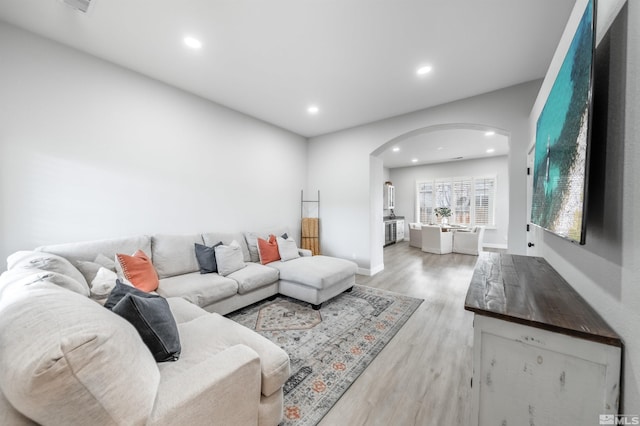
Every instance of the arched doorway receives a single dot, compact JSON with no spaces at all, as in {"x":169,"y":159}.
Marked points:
{"x":436,"y":153}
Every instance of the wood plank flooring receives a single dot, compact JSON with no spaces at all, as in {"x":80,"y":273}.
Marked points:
{"x":422,"y":377}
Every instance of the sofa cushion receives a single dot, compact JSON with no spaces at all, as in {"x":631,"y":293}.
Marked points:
{"x":174,"y":255}
{"x":229,"y":258}
{"x":138,"y":270}
{"x":199,"y":289}
{"x":89,"y":269}
{"x":316,"y":271}
{"x":214,"y":333}
{"x":268,"y":250}
{"x":78,"y":364}
{"x":152,"y":318}
{"x":89,"y":250}
{"x":206,"y":257}
{"x":254,"y":276}
{"x":35,"y":260}
{"x":212,"y":238}
{"x":183,"y":310}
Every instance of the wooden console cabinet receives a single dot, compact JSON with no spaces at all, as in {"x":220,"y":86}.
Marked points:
{"x":541,"y":353}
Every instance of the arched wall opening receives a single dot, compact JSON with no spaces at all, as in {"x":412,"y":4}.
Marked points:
{"x":405,"y":178}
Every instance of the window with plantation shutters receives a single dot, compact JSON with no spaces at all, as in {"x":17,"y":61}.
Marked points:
{"x":425,"y":202}
{"x":443,"y":195}
{"x":471,"y":200}
{"x":484,"y":201}
{"x":462,"y":192}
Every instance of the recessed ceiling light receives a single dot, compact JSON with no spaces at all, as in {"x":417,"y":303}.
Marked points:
{"x":440,"y":148}
{"x":426,"y":69}
{"x":313,"y":109}
{"x":490,"y":150}
{"x":192,"y":42}
{"x":396,"y":149}
{"x":414,"y":160}
{"x":489,"y":133}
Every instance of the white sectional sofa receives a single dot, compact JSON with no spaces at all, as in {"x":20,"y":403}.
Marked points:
{"x":312,"y":280}
{"x":64,"y":359}
{"x":67,"y":360}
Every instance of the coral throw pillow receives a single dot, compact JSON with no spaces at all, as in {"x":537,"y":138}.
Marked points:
{"x":139,"y":270}
{"x":268,"y":250}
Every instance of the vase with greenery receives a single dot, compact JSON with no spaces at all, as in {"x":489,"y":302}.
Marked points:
{"x":443,"y":213}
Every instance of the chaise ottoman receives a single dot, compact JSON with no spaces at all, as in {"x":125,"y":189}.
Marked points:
{"x":315,"y":279}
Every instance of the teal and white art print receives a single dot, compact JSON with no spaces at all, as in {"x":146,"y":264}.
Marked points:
{"x":562,"y":137}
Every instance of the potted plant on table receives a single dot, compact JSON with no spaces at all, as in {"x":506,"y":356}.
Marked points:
{"x":444,"y":213}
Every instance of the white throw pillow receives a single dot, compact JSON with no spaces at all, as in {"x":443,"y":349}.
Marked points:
{"x":102,"y":285}
{"x":229,"y":258}
{"x":287,"y":248}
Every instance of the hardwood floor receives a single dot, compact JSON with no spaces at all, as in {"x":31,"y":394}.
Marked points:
{"x":422,"y":377}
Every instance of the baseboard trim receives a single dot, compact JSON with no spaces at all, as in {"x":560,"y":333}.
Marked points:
{"x":370,"y":272}
{"x":496,"y":246}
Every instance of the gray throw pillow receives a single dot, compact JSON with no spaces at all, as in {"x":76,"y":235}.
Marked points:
{"x":154,"y":321}
{"x":206,"y":257}
{"x":121,"y":290}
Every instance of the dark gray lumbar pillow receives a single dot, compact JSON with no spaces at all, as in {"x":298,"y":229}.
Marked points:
{"x":206,"y":257}
{"x":154,"y":321}
{"x":121,"y":290}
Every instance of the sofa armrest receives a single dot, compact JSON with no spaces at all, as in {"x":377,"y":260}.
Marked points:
{"x":223,"y":389}
{"x":305,"y":252}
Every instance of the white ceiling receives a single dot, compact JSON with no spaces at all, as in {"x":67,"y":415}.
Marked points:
{"x":354,"y":59}
{"x":444,"y":145}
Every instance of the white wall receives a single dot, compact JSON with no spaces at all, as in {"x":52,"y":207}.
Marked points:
{"x":606,"y":271}
{"x":91,"y":150}
{"x":406,"y":178}
{"x":379,"y":176}
{"x":385,"y":178}
{"x":347,"y":230}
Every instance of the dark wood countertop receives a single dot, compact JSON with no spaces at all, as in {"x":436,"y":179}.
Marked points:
{"x":527,"y":290}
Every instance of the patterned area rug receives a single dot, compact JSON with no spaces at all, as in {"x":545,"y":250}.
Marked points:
{"x":328,"y":348}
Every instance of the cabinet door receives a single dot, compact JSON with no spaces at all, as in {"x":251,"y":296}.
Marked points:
{"x":389,"y":197}
{"x":524,"y":375}
{"x":400,"y":230}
